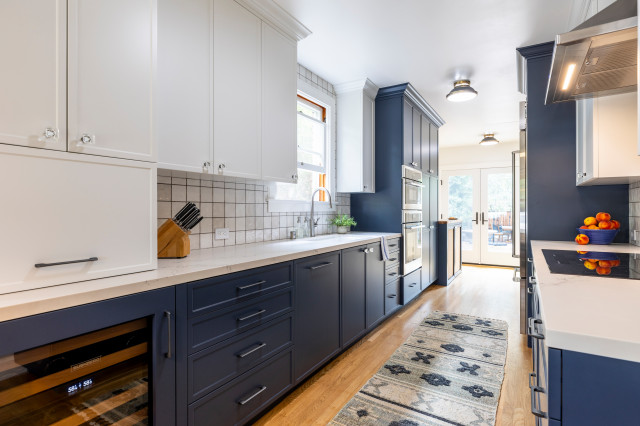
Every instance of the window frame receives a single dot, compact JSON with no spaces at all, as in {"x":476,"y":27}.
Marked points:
{"x":315,"y":95}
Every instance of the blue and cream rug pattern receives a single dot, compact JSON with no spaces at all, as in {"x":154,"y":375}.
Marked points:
{"x":449,"y":372}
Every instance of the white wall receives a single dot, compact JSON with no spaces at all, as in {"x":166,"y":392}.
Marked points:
{"x":477,"y":156}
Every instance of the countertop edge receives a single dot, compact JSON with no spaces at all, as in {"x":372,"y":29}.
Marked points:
{"x":32,"y":302}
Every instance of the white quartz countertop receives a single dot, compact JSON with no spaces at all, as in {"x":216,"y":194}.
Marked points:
{"x":198,"y":265}
{"x":595,"y":315}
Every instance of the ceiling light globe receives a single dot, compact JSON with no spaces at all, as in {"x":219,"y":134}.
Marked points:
{"x":489,"y":140}
{"x":462,"y":91}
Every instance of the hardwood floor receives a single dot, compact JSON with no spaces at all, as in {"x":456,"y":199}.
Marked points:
{"x":481,"y":291}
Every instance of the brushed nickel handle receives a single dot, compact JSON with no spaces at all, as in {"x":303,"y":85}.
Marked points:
{"x":413,"y":285}
{"x":534,"y":409}
{"x":259,"y":391}
{"x":167,"y":315}
{"x":244,"y":287}
{"x":391,"y":296}
{"x":414,"y":164}
{"x":255,"y":314}
{"x":313,"y":268}
{"x":252,"y":350}
{"x":67,"y":262}
{"x":476,"y":219}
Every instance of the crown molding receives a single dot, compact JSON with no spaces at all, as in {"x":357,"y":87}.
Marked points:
{"x":406,"y":89}
{"x":269,"y":11}
{"x":366,"y":85}
{"x":537,"y":50}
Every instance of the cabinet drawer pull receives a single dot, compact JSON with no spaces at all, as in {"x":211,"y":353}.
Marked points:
{"x":68,"y":262}
{"x":535,"y":410}
{"x":532,"y":332}
{"x":255,"y":314}
{"x":244,"y":287}
{"x":250,"y":351}
{"x":391,"y":296}
{"x":393,"y":274}
{"x":393,"y":259}
{"x":393,"y":245}
{"x":313,"y":268}
{"x":249,"y":398}
{"x":412,"y":285}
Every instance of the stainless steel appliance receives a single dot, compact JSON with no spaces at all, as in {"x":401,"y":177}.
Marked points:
{"x":412,"y":240}
{"x":411,"y":188}
{"x":598,"y":57}
{"x":520,"y":250}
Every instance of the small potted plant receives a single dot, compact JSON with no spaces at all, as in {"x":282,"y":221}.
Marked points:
{"x":343,"y":222}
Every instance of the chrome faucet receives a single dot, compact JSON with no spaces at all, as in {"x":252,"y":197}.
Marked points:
{"x":313,"y":223}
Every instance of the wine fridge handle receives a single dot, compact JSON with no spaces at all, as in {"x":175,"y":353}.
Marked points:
{"x":167,"y":314}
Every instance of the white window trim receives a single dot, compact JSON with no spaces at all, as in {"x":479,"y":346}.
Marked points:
{"x":318,"y":96}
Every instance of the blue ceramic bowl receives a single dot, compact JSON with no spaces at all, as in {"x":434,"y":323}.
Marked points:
{"x":599,"y":255}
{"x":599,"y":236}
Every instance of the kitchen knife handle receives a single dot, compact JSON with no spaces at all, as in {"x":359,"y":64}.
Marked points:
{"x":68,"y":262}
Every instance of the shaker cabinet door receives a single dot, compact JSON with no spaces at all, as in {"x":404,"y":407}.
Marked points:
{"x":353,"y":293}
{"x":375,"y":278}
{"x":33,"y":74}
{"x":111,"y":73}
{"x":433,"y":150}
{"x":425,"y":143}
{"x":279,"y":93}
{"x":237,"y":70}
{"x":184,"y":84}
{"x":407,"y":134}
{"x":417,"y":157}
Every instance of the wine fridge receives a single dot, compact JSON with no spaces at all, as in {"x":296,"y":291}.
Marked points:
{"x":109,"y":375}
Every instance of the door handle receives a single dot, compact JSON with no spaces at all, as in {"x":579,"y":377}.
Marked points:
{"x":476,"y":219}
{"x":483,"y":221}
{"x":313,"y":268}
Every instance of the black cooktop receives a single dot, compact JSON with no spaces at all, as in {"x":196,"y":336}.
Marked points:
{"x":593,"y":263}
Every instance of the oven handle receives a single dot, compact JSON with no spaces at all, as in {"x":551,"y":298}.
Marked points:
{"x":419,"y":185}
{"x":413,"y":226}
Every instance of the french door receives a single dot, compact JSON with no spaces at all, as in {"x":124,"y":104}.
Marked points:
{"x":482,"y":199}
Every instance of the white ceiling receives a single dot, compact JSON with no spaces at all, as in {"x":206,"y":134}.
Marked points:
{"x":430,"y":43}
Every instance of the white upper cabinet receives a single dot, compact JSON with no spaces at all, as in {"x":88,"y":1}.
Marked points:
{"x":236,"y":90}
{"x":185,"y":47}
{"x":111,"y":54}
{"x":606,"y":140}
{"x":279,"y":94}
{"x":33,"y":73}
{"x":228,"y":85}
{"x":356,"y":136}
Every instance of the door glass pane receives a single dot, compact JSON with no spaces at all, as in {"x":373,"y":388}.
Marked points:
{"x":499,"y":225}
{"x":461,"y":206}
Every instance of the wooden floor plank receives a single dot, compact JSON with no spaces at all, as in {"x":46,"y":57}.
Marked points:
{"x":485,"y":292}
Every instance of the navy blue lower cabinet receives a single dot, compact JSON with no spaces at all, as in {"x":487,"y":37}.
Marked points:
{"x":353,"y":293}
{"x":392,"y":297}
{"x":73,"y":357}
{"x":317,"y":317}
{"x":240,"y":400}
{"x":411,"y":286}
{"x":375,"y":279}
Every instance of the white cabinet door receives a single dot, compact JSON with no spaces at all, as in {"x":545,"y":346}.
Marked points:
{"x":33,"y":73}
{"x":70,"y":207}
{"x":279,"y":93}
{"x":185,"y":48}
{"x":111,"y":68}
{"x":236,"y":90}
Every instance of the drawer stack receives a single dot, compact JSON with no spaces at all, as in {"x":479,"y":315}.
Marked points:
{"x":391,"y":275}
{"x":240,"y":339}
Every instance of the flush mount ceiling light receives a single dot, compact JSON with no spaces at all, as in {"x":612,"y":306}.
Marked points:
{"x":489,"y":140}
{"x":462,"y":91}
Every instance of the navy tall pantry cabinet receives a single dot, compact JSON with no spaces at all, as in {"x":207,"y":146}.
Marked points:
{"x":406,"y":134}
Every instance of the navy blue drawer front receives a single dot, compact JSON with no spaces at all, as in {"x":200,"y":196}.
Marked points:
{"x":392,"y":274}
{"x":219,"y":292}
{"x":240,"y":400}
{"x":214,"y":366}
{"x":205,"y":330}
{"x":394,"y":245}
{"x":410,"y":286}
{"x":391,"y":297}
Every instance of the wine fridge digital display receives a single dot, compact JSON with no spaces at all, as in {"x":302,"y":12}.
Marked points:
{"x":98,"y":378}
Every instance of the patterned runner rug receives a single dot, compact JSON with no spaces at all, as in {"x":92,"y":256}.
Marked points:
{"x":448,"y":372}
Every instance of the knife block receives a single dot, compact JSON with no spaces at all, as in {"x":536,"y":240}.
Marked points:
{"x":173,"y":242}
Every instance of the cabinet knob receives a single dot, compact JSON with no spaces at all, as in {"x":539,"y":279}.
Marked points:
{"x":86,"y":139}
{"x":221,"y":168}
{"x":50,"y":133}
{"x":414,"y":164}
{"x":431,"y":171}
{"x":294,"y":176}
{"x":206,"y":165}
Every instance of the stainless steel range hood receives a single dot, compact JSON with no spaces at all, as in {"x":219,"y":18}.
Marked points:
{"x":599,"y":57}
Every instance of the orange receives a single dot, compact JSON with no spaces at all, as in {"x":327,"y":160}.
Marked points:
{"x":616,"y":224}
{"x":604,"y":263}
{"x":590,"y":221}
{"x":600,"y":217}
{"x":584,"y":227}
{"x":603,"y":271}
{"x":582,"y":239}
{"x":593,"y":227}
{"x":615,"y":262}
{"x":581,"y":252}
{"x":605,"y":224}
{"x":589,"y":265}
